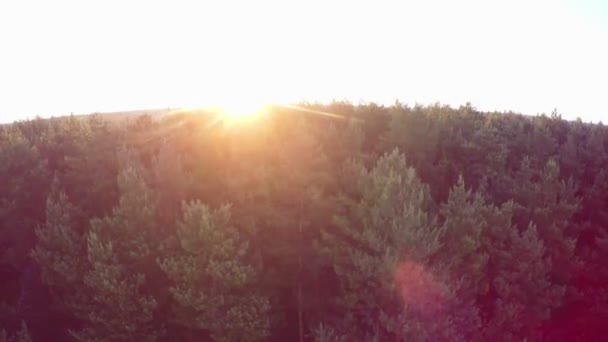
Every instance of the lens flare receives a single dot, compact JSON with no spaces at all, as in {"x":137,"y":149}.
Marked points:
{"x":418,"y":288}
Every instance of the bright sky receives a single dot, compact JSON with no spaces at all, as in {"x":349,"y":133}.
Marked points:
{"x":530,"y":56}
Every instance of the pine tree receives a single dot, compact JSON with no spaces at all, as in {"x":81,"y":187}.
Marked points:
{"x":98,"y":274}
{"x":213,"y":287}
{"x":61,"y":253}
{"x":281,"y":185}
{"x":22,"y":335}
{"x":463,"y":256}
{"x":541,"y":198}
{"x":382,"y":255}
{"x":25,"y":182}
{"x":524,"y":293}
{"x":171,"y":182}
{"x":120,"y":248}
{"x":303,"y":169}
{"x":90,"y":173}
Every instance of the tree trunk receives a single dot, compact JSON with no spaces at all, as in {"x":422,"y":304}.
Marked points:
{"x":300,"y":313}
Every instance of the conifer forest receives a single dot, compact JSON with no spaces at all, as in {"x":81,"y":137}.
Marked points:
{"x":324,"y":223}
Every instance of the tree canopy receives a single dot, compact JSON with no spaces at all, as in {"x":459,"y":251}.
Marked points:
{"x":425,"y":223}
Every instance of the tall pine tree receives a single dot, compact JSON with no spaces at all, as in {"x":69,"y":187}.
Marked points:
{"x":213,"y":289}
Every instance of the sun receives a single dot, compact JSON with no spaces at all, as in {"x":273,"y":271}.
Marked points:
{"x":240,"y":110}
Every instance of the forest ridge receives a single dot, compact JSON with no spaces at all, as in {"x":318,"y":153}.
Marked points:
{"x":375,"y":223}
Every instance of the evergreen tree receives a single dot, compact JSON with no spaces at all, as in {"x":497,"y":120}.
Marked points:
{"x":22,"y":335}
{"x":98,"y":275}
{"x":463,"y":255}
{"x":382,"y":256}
{"x":213,"y":287}
{"x":172,"y":184}
{"x":519,"y":253}
{"x":121,"y":254}
{"x":541,"y":198}
{"x":503,"y":276}
{"x":524,"y":293}
{"x":61,"y":253}
{"x":281,"y":185}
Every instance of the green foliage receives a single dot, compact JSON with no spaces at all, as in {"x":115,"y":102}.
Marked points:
{"x":61,"y":251}
{"x":382,"y":255}
{"x":323,"y":333}
{"x":108,"y":277}
{"x":212,"y":284}
{"x":494,"y":228}
{"x":94,"y":271}
{"x":22,"y":192}
{"x":465,"y":229}
{"x":22,"y":335}
{"x":525,"y":294}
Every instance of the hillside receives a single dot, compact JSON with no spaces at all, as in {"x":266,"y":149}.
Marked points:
{"x":374,"y":223}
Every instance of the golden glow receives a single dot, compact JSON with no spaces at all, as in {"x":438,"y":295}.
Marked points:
{"x":269,"y":48}
{"x":240,"y":110}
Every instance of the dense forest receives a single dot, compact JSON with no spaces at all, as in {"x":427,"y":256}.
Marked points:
{"x":317,"y":223}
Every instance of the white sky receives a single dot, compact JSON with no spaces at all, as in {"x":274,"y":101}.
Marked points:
{"x":80,"y":56}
